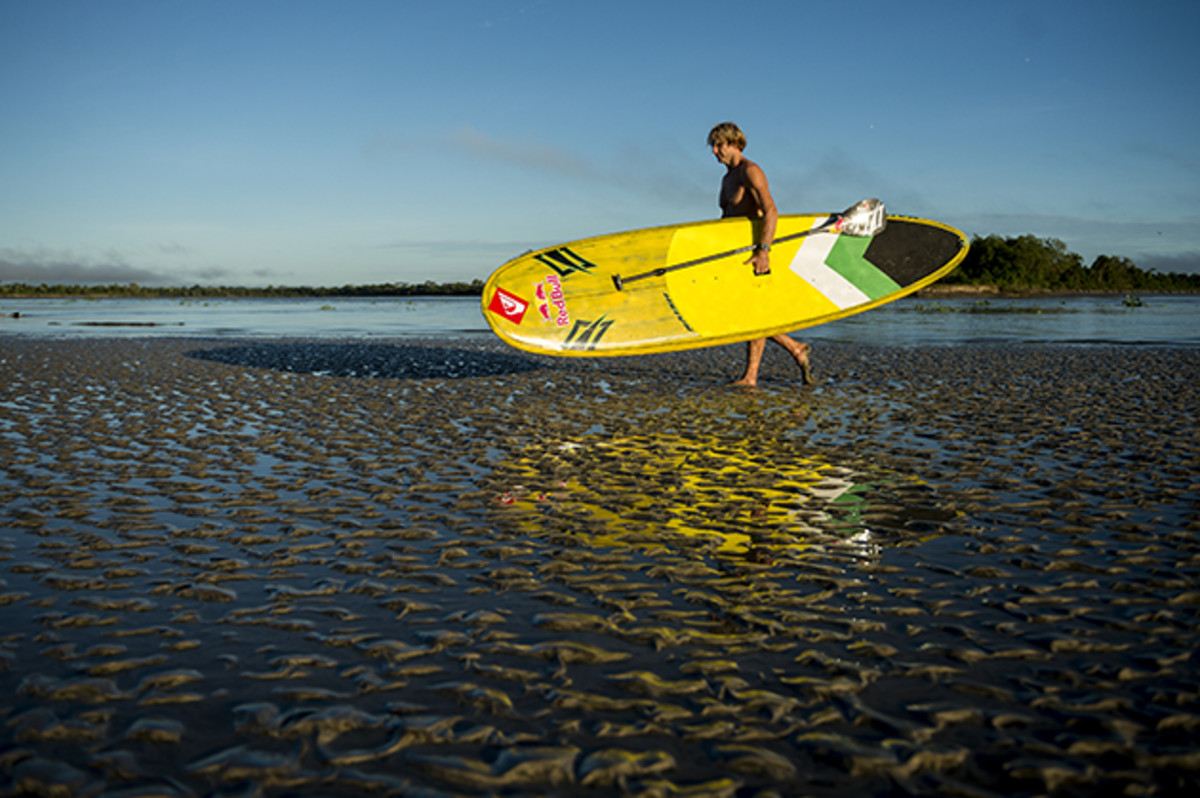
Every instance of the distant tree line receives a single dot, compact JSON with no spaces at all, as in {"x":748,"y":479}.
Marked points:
{"x":1010,"y":264}
{"x":1028,"y":262}
{"x":427,"y":288}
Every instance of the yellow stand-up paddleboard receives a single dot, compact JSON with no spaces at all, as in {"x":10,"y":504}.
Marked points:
{"x":686,"y":286}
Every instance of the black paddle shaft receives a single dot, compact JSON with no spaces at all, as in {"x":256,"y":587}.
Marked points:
{"x":620,"y":282}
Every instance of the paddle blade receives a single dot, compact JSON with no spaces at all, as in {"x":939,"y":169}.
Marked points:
{"x":865,"y":218}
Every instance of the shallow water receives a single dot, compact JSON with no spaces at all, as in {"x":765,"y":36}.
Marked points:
{"x":1160,"y":320}
{"x":308,"y":567}
{"x":243,"y":318}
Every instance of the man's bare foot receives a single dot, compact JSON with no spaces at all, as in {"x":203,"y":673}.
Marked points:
{"x":745,"y":382}
{"x":806,"y":372}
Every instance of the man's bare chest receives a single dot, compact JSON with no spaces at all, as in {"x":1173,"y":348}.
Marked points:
{"x":735,"y":200}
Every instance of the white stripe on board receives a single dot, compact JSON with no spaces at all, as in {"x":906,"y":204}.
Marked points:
{"x":809,"y":265}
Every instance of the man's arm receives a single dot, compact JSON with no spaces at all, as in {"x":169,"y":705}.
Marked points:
{"x":756,"y":183}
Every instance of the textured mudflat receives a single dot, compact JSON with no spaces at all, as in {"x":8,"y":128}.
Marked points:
{"x":312,"y":568}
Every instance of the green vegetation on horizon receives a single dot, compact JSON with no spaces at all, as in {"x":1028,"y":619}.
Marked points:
{"x":1030,"y":263}
{"x":427,"y":288}
{"x":1021,"y":263}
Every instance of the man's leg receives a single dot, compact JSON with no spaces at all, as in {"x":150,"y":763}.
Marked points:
{"x":754,"y":355}
{"x":800,"y":352}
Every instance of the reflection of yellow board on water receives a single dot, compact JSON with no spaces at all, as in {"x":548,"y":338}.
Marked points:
{"x":650,"y":489}
{"x":686,"y":286}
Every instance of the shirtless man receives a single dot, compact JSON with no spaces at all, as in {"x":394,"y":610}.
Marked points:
{"x":744,"y":192}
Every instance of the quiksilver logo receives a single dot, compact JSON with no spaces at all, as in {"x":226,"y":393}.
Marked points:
{"x":508,"y":305}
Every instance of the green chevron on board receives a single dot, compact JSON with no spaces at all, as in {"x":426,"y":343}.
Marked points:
{"x":846,"y":258}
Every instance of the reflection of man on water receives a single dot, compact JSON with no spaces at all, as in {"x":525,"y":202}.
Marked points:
{"x":744,"y":192}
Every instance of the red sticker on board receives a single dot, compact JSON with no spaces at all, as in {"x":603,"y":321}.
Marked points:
{"x":508,"y":305}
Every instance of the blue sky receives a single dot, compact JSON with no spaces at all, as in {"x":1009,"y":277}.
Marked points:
{"x":306,"y":142}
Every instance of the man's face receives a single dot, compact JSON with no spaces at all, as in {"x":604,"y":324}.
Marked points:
{"x":724,"y":152}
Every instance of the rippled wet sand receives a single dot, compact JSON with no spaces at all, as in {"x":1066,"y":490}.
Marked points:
{"x":312,"y":568}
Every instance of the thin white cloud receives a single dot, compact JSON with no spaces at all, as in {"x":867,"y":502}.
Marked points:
{"x":441,"y":245}
{"x":66,"y":268}
{"x":1068,"y":225}
{"x":1180,"y":263}
{"x":533,"y":155}
{"x":665,"y":174}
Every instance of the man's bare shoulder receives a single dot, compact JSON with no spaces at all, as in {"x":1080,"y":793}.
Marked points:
{"x":752,"y":172}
